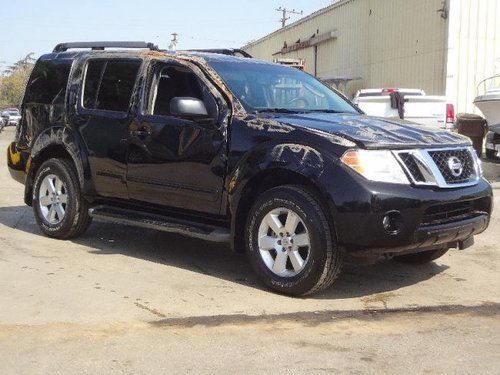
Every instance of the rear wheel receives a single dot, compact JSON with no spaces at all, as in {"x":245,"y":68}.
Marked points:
{"x":60,"y":210}
{"x":290,"y":243}
{"x":421,"y":258}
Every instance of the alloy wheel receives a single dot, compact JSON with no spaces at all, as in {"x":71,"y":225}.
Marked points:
{"x":284,"y":242}
{"x":53,"y":199}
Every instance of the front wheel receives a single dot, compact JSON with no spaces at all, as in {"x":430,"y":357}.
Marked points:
{"x":290,"y":242}
{"x":60,"y":210}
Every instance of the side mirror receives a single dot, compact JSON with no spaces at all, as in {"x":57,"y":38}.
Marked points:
{"x":188,"y":107}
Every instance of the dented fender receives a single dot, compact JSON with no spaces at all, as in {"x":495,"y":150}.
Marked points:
{"x":293,"y":157}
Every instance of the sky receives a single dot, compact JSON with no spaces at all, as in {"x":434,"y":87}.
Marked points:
{"x":37,"y":26}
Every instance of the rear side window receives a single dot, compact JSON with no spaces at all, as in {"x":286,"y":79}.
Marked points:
{"x":109,"y":84}
{"x":48,"y":81}
{"x":92,"y":81}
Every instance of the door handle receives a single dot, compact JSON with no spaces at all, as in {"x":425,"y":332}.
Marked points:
{"x":141,"y":132}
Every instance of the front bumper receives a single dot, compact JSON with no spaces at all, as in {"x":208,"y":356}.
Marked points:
{"x":457,"y":234}
{"x":427,"y":218}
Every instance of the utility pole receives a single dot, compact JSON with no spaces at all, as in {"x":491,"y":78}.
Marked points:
{"x":173,"y":42}
{"x":285,"y":12}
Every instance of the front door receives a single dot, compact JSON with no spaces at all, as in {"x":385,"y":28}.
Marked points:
{"x":174,"y":161}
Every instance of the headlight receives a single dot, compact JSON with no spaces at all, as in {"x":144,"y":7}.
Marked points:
{"x":477,"y":162}
{"x":375,"y":165}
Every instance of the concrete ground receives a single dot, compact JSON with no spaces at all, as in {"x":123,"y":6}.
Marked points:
{"x":127,"y":300}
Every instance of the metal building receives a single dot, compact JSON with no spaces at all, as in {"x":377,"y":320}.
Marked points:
{"x":444,"y":47}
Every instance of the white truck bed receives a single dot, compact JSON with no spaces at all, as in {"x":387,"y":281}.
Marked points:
{"x":421,"y":109}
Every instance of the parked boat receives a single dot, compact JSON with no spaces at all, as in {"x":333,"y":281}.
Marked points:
{"x":488,"y":99}
{"x":488,"y":102}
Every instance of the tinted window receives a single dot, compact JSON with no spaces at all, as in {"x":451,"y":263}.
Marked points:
{"x":168,"y":82}
{"x":47,"y":84}
{"x":109,"y":84}
{"x":174,"y":82}
{"x":363,"y":94}
{"x":92,"y":80}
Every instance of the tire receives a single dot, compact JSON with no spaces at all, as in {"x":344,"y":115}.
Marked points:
{"x":75,"y":219}
{"x":322,"y":259}
{"x":421,"y":258}
{"x":490,"y":154}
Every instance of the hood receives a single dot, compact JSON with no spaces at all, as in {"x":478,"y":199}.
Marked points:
{"x":372,"y":132}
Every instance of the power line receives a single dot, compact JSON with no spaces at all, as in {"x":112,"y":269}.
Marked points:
{"x":285,"y":12}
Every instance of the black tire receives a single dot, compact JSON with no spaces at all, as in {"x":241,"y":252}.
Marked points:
{"x":421,"y":258}
{"x":325,"y":258}
{"x":490,"y":154}
{"x":76,"y":219}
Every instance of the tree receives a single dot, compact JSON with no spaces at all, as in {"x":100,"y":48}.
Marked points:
{"x":13,"y":82}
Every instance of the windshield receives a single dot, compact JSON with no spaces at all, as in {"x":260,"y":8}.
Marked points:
{"x":266,"y":87}
{"x":13,"y":113}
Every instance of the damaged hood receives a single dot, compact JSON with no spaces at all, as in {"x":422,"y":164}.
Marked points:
{"x":371,"y":132}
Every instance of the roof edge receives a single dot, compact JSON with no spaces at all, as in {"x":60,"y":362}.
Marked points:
{"x":298,"y":22}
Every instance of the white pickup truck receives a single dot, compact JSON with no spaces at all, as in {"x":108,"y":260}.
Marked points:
{"x":418,"y":107}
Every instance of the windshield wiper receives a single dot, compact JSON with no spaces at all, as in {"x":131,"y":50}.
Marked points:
{"x":326,"y":111}
{"x":277,"y":110}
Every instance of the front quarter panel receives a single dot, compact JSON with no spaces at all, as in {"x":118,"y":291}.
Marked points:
{"x":262,"y":146}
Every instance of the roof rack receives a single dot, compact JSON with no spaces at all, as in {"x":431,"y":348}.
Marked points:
{"x":224,"y":51}
{"x":62,"y":47}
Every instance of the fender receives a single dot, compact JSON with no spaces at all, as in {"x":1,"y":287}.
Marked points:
{"x":266,"y":159}
{"x":293,"y":157}
{"x":67,"y":139}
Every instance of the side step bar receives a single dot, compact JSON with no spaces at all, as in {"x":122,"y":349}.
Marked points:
{"x":159,"y":222}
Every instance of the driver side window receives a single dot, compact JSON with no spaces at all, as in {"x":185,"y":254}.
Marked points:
{"x":172,"y":81}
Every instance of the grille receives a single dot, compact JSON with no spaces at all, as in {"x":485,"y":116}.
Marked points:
{"x":412,"y":166}
{"x":441,"y":158}
{"x":448,"y":212}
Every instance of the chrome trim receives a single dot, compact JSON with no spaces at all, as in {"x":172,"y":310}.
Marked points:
{"x":430,"y":170}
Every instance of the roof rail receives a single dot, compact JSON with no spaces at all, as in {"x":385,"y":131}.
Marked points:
{"x":224,"y":51}
{"x":62,"y":47}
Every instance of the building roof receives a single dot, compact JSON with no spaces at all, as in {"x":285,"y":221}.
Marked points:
{"x":300,"y":21}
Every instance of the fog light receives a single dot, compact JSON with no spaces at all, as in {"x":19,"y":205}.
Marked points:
{"x":392,"y":222}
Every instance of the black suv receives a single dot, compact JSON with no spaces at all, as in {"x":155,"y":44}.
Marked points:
{"x":236,"y":150}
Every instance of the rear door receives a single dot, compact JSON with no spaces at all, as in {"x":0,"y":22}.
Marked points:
{"x":173,"y":161}
{"x":103,"y":117}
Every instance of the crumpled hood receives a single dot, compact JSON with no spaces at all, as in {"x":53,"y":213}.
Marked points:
{"x":372,"y":132}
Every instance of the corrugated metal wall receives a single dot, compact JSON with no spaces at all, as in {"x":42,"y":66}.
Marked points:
{"x":398,"y":43}
{"x":474,"y":49}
